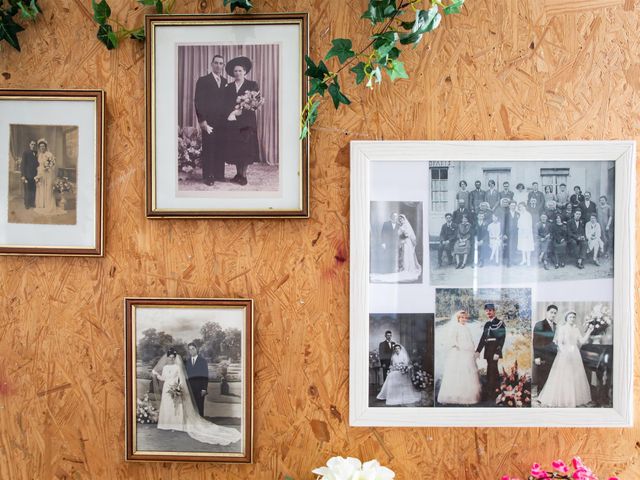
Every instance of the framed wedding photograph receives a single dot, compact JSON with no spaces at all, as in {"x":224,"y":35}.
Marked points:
{"x":224,"y":97}
{"x":493,"y":283}
{"x":51,"y":181}
{"x":189,"y":380}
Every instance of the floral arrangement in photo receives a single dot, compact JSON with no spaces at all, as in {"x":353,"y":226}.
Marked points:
{"x":575,"y":471}
{"x":49,"y":163}
{"x":400,"y":367}
{"x":189,"y":150}
{"x":249,"y":101}
{"x":374,"y":359}
{"x":340,"y":468}
{"x":145,"y":412}
{"x":63,"y":185}
{"x":515,"y":389}
{"x":599,"y":319}
{"x":420,"y":378}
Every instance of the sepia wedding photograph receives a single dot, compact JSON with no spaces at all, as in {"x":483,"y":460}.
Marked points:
{"x":224,"y":99}
{"x":547,"y":221}
{"x":573,"y":355}
{"x":401,"y":360}
{"x":396,"y":244}
{"x":43,"y":162}
{"x":190,"y":376}
{"x":228,"y":108}
{"x":483,"y":347}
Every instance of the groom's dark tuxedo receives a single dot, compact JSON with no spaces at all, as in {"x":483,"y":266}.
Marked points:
{"x":29,"y":170}
{"x":198,"y":375}
{"x":209,"y":101}
{"x":385,"y":350}
{"x":492,"y":340}
{"x":545,"y":350}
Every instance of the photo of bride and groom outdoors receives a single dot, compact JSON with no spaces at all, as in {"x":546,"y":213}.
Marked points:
{"x":189,"y":381}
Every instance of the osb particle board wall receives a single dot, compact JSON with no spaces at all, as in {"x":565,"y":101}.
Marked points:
{"x":551,"y":69}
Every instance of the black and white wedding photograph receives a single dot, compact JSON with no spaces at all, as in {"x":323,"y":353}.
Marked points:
{"x":573,"y":355}
{"x":401,"y":360}
{"x":43,"y":161}
{"x":483,"y":347}
{"x":546,"y":221}
{"x":396,"y":242}
{"x":190,"y":379}
{"x":228,"y":107}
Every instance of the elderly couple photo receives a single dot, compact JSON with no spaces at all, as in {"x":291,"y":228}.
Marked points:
{"x":228,"y":117}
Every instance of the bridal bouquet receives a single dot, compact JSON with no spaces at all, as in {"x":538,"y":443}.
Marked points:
{"x":175,"y":391}
{"x":400,"y":367}
{"x":249,"y":101}
{"x":145,"y":412}
{"x":577,"y":471}
{"x":62,"y":185}
{"x":49,"y":163}
{"x":339,"y":468}
{"x":599,"y":319}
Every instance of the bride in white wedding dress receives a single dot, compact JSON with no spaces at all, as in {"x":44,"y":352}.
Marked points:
{"x":460,"y":383}
{"x":398,"y":389}
{"x":567,"y":385}
{"x":178,"y":411}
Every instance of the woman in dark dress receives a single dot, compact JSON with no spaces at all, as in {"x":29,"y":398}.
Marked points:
{"x":241,"y":132}
{"x":559,"y":238}
{"x":463,"y":243}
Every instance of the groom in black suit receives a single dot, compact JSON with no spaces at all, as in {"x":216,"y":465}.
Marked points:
{"x":544,"y":350}
{"x":385,"y":350}
{"x":492,"y":341}
{"x":209,"y":101}
{"x":29,"y":172}
{"x":198,"y":376}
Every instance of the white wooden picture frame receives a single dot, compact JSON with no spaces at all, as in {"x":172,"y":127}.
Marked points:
{"x":399,"y":171}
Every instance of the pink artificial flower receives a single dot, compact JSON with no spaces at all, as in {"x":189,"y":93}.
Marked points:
{"x":577,"y":463}
{"x":560,"y":466}
{"x":537,"y":472}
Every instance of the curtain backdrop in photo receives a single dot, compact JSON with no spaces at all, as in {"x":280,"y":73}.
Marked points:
{"x":194,"y":61}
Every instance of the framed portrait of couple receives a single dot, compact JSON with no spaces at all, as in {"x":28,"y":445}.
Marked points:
{"x":189,"y":380}
{"x":224,"y":97}
{"x":51,"y":177}
{"x":497,"y":284}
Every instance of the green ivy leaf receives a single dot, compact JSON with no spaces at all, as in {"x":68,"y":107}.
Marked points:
{"x":246,"y":4}
{"x":384,"y":43}
{"x":138,"y":34}
{"x":147,"y":3}
{"x":380,"y":10}
{"x":359,"y":71}
{"x":9,"y":30}
{"x":342,"y":49}
{"x":426,"y":21}
{"x":107,"y":36}
{"x":310,"y":119}
{"x":395,"y":69}
{"x":101,"y":12}
{"x":315,"y":71}
{"x":337,"y":96}
{"x":159,"y":6}
{"x":30,"y":11}
{"x":455,"y":7}
{"x":317,"y":86}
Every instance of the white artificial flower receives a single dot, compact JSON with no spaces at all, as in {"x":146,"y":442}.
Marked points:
{"x":372,"y":470}
{"x":339,"y":468}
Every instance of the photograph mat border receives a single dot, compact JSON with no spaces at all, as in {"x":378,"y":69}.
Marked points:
{"x":131,"y":304}
{"x":98,"y":98}
{"x":623,"y":153}
{"x":151,"y":23}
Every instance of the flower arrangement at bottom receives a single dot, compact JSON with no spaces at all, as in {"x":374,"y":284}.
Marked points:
{"x":374,"y":359}
{"x":62,"y":185}
{"x":515,"y":389}
{"x":145,"y":411}
{"x":340,"y":468}
{"x":560,"y":470}
{"x":420,"y":378}
{"x":189,"y":150}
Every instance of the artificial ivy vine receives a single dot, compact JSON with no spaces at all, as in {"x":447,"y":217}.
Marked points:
{"x":9,"y":28}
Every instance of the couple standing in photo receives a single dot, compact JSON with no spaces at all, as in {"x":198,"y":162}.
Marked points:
{"x":558,"y":369}
{"x":226,"y":112}
{"x":460,"y":383}
{"x":398,"y":243}
{"x":38,"y":173}
{"x":184,"y":388}
{"x":396,"y":364}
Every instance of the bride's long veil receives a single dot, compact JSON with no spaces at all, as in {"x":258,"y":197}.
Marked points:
{"x":402,"y":356}
{"x":406,"y":226}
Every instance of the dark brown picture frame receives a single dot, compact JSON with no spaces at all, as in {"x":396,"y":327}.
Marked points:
{"x":151,"y":22}
{"x":98,"y":96}
{"x":130,"y":305}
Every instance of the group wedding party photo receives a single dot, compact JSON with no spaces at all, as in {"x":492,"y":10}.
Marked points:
{"x":573,"y":355}
{"x":483,"y":347}
{"x":43,"y":162}
{"x":190,"y":373}
{"x":396,"y":242}
{"x":401,"y":360}
{"x":228,"y":107}
{"x":541,"y":220}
